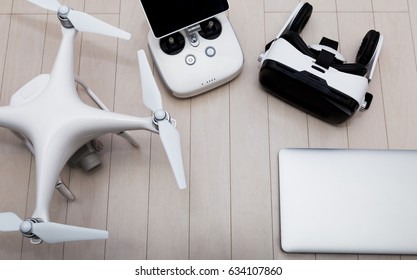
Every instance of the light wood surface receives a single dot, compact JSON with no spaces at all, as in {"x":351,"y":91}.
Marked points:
{"x":230,"y":136}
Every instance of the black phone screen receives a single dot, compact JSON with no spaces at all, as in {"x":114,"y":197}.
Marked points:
{"x":168,"y":16}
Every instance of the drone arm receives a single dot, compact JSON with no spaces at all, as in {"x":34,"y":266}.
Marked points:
{"x":11,"y":118}
{"x":62,"y":74}
{"x":48,"y":167}
{"x":101,"y":122}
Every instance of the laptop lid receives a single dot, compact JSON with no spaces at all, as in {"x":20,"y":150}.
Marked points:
{"x":348,"y":201}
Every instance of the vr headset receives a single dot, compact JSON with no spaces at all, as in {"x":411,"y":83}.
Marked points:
{"x":317,"y":78}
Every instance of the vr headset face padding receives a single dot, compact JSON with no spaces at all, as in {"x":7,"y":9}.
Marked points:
{"x":301,"y":18}
{"x":368,"y":47}
{"x":351,"y":68}
{"x":294,"y":39}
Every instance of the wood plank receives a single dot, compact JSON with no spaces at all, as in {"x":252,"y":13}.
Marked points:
{"x":169,"y":217}
{"x":323,"y":5}
{"x":23,"y":47}
{"x":413,"y":18}
{"x":4,"y":33}
{"x":127,"y":220}
{"x":287,"y":128}
{"x":26,"y":43}
{"x":354,"y":6}
{"x":6,"y":7}
{"x":390,"y":6}
{"x":25,"y":7}
{"x":104,"y":7}
{"x":399,"y":86}
{"x":279,"y":5}
{"x":210,"y":236}
{"x":250,"y":183}
{"x":168,"y":214}
{"x":98,"y":70}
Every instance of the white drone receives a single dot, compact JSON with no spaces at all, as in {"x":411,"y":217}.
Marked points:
{"x":50,"y":118}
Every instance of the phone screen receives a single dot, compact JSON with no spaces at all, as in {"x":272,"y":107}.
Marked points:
{"x":167,"y":16}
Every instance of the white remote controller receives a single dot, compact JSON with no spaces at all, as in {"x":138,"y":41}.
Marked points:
{"x":195,"y":61}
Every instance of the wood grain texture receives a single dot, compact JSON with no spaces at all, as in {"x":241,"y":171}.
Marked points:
{"x":280,"y":5}
{"x":4,"y":33}
{"x":129,"y":176}
{"x":390,"y":6}
{"x":412,"y":5}
{"x":103,"y":6}
{"x":281,"y":117}
{"x":210,"y":216}
{"x":399,"y":84}
{"x":168,"y":232}
{"x":354,"y":5}
{"x":323,"y":5}
{"x":230,"y":136}
{"x":250,"y":182}
{"x":6,"y":7}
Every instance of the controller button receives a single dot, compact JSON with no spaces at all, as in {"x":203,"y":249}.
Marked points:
{"x":190,"y":59}
{"x":210,"y":51}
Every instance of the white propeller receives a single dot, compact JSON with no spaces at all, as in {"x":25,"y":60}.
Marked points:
{"x":170,"y":137}
{"x":48,"y":231}
{"x":52,"y":5}
{"x":9,"y":222}
{"x":82,"y":21}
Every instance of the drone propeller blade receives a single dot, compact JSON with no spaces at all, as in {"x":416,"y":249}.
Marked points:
{"x":169,"y":134}
{"x":9,"y":222}
{"x":170,"y":139}
{"x":54,"y":233}
{"x":52,"y":5}
{"x":50,"y":232}
{"x":85,"y":23}
{"x":150,"y":92}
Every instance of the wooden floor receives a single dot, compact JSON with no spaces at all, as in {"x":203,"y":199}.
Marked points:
{"x":230,"y":136}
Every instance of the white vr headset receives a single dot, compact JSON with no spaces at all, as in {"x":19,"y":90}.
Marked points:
{"x":317,"y":79}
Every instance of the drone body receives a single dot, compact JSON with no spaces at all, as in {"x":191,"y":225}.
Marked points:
{"x":53,"y":122}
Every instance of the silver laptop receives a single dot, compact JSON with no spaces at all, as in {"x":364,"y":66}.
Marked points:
{"x":348,"y":201}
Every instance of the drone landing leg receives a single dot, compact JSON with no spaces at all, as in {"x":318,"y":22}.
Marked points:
{"x":63,"y":189}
